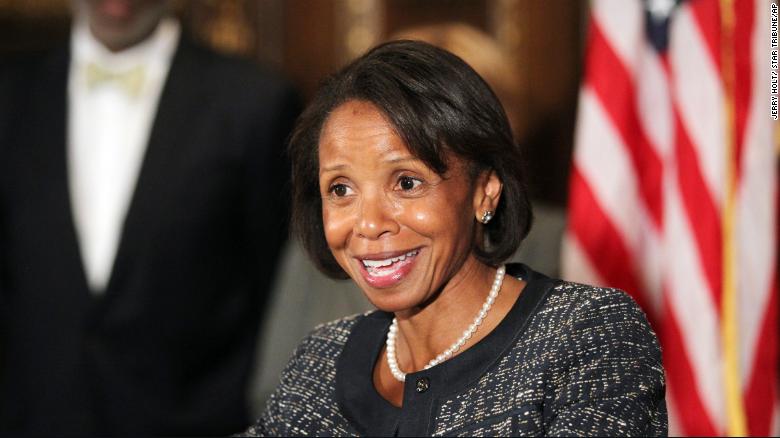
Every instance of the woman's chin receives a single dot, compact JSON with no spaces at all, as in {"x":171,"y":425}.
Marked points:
{"x":392,"y":299}
{"x":392,"y":303}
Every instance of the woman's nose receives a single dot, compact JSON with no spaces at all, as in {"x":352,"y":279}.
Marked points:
{"x":375,"y":218}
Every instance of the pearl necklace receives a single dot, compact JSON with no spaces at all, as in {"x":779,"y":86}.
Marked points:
{"x":392,"y":362}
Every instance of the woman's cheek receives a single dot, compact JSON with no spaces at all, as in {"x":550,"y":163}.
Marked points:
{"x":439,"y":215}
{"x":337,"y":226}
{"x":420,"y":216}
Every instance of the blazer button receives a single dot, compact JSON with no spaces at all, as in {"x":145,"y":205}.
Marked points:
{"x":423,"y":384}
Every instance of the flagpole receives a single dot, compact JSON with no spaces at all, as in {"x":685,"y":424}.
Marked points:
{"x":729,"y":319}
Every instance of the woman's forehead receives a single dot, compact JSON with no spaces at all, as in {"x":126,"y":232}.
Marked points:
{"x":359,"y":128}
{"x":356,"y":117}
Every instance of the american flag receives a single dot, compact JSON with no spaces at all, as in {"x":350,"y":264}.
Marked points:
{"x":673,"y":197}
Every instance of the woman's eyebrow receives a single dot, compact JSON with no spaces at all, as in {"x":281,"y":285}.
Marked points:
{"x":333,"y":168}
{"x":391,"y":160}
{"x":401,"y":159}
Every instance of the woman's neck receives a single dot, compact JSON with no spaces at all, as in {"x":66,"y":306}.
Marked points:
{"x":425,"y":332}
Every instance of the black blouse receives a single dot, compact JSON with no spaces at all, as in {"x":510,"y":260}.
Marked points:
{"x":567,"y":359}
{"x":372,"y":415}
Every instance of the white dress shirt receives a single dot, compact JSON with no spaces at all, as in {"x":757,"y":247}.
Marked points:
{"x":108,"y":130}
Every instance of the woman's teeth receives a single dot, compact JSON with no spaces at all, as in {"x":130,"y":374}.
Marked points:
{"x":373,"y":264}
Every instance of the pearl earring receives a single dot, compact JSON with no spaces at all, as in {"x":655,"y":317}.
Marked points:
{"x":486,"y":216}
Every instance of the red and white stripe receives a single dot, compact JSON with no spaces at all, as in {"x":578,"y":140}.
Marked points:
{"x":647,"y":197}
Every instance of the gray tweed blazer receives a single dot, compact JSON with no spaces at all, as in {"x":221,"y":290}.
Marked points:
{"x":568,"y":359}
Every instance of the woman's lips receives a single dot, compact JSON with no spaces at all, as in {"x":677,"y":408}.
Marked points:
{"x":387,"y":272}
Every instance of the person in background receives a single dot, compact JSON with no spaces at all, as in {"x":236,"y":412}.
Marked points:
{"x":407,"y":180}
{"x":142,"y":210}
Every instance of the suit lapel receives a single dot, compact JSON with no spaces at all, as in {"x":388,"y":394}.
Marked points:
{"x":168,"y":132}
{"x":51,"y":100}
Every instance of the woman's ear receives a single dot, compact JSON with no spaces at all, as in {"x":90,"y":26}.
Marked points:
{"x":487,"y":193}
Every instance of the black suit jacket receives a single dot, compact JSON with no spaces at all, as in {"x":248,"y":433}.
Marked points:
{"x":168,"y":348}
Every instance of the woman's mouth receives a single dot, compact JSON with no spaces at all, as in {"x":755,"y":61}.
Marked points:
{"x":388,"y":271}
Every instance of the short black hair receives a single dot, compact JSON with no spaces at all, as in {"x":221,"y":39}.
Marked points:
{"x":439,"y":106}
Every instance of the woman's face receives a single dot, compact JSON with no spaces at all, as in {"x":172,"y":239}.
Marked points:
{"x":398,"y":229}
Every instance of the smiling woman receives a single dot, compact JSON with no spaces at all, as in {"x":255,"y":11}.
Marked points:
{"x":406,"y":179}
{"x":395,"y":226}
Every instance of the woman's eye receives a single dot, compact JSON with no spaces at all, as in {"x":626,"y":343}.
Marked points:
{"x":339,"y":190}
{"x":407,"y":183}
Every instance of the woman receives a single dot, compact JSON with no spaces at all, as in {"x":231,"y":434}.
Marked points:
{"x":406,"y":179}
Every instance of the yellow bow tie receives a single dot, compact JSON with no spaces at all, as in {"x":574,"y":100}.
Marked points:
{"x":130,"y":81}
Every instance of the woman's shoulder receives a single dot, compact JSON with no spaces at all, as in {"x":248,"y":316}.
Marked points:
{"x":603,"y":359}
{"x":338,"y":329}
{"x":332,"y":335}
{"x":568,"y":299}
{"x":570,"y":315}
{"x":577,"y":302}
{"x":304,"y":401}
{"x":582,"y":320}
